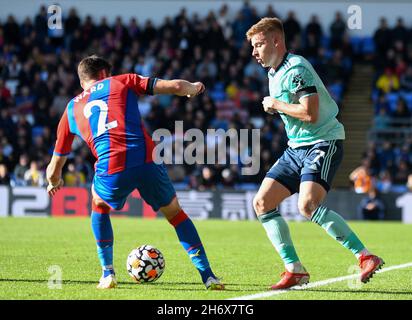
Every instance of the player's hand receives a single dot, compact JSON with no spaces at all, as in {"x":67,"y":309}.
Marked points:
{"x":269,"y":105}
{"x":198,"y":89}
{"x":53,"y":188}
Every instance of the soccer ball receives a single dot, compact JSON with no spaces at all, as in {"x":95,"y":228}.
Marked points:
{"x":145,"y":264}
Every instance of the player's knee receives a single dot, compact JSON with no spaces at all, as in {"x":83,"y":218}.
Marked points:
{"x":99,"y":203}
{"x":260,"y":205}
{"x":307,"y":207}
{"x":171,"y":210}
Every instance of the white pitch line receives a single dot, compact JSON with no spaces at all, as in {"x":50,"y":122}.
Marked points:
{"x":315,"y":284}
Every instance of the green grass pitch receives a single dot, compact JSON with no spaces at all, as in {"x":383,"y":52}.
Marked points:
{"x":239,"y":252}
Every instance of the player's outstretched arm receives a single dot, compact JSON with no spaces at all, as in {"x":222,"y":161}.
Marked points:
{"x":54,"y":174}
{"x":178,"y":87}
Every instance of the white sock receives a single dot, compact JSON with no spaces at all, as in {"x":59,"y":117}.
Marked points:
{"x":364,"y":252}
{"x":295,"y":267}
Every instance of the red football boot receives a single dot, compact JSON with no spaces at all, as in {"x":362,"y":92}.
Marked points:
{"x":369,"y":265}
{"x":289,"y":279}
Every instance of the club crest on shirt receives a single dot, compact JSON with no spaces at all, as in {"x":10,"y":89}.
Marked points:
{"x":298,"y":82}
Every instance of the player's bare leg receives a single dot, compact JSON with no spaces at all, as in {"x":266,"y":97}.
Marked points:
{"x":271,"y":193}
{"x":190,"y":240}
{"x":311,"y":195}
{"x":102,"y":230}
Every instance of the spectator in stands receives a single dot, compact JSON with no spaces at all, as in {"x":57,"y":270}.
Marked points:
{"x":229,"y":177}
{"x":224,"y":21}
{"x":400,"y":176}
{"x":409,"y":183}
{"x":20,"y":169}
{"x":382,"y":119}
{"x":404,"y":153}
{"x":7,"y":148}
{"x":314,"y":29}
{"x":371,"y":159}
{"x":347,"y":52}
{"x":382,"y":103}
{"x":38,"y":148}
{"x":388,"y":82}
{"x":400,"y":66}
{"x":72,"y":22}
{"x":389,"y":60}
{"x":60,"y":100}
{"x":372,"y":207}
{"x":84,"y":167}
{"x":292,"y":28}
{"x":11,"y":31}
{"x":5,"y":94}
{"x":239,"y":28}
{"x":24,"y":101}
{"x":337,"y":31}
{"x":400,"y":32}
{"x":271,"y":12}
{"x":386,"y":156}
{"x":34,"y":177}
{"x":406,"y":80}
{"x":401,"y":114}
{"x":335,"y":70}
{"x":207,"y":179}
{"x":311,"y":47}
{"x":4,"y":175}
{"x":74,"y":178}
{"x":382,"y":37}
{"x":40,"y":23}
{"x":361,"y":178}
{"x":384,"y":184}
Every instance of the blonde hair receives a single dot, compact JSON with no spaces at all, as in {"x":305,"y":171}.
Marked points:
{"x":266,"y":25}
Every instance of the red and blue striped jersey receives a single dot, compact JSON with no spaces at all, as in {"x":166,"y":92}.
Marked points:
{"x":106,"y":116}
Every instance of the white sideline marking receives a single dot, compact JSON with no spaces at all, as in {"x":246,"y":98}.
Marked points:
{"x":315,"y":284}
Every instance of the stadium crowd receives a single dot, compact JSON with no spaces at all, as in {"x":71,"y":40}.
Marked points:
{"x":38,"y":78}
{"x":387,"y":161}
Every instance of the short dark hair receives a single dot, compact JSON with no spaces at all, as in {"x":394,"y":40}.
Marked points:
{"x":90,"y":67}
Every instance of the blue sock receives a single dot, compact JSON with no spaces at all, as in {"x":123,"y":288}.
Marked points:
{"x":189,"y":239}
{"x":103,"y":233}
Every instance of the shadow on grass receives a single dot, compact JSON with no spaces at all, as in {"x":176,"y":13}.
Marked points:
{"x":234,"y":287}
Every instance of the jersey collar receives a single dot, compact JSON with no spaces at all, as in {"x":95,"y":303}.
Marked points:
{"x":272,"y":71}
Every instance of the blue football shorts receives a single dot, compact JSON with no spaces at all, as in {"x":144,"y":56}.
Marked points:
{"x":318,"y":163}
{"x":150,"y":179}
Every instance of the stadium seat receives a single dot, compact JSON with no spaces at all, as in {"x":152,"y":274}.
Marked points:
{"x":336,"y":90}
{"x":407,"y":96}
{"x":218,"y":92}
{"x":356,"y":43}
{"x":392,"y":100}
{"x":324,"y":42}
{"x":347,"y":64}
{"x":247,"y":186}
{"x":328,"y":54}
{"x":375,"y":95}
{"x":398,"y":188}
{"x":368,"y":45}
{"x":181,"y":185}
{"x":37,"y":131}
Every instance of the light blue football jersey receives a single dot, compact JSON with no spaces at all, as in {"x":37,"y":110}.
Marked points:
{"x":295,"y":78}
